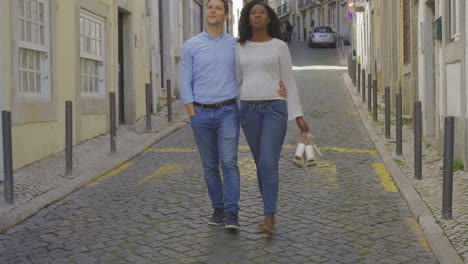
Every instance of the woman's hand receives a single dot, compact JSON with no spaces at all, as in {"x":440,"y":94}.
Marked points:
{"x":282,"y":90}
{"x":301,"y":123}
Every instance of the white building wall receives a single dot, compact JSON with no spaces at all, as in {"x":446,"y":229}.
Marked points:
{"x":235,"y":12}
{"x":2,"y":31}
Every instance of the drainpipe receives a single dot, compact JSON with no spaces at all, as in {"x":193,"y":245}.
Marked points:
{"x":2,"y":178}
{"x":152,"y":8}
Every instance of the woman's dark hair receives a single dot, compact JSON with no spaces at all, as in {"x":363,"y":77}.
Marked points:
{"x":245,"y":30}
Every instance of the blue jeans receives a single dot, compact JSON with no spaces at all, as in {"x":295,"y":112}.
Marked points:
{"x":217,"y":137}
{"x":264,"y":124}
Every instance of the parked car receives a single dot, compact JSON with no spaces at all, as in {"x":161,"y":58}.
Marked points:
{"x":322,"y":36}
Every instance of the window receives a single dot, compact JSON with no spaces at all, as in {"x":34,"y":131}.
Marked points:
{"x":454,"y":18}
{"x":92,"y":56}
{"x":406,"y":32}
{"x":33,"y":49}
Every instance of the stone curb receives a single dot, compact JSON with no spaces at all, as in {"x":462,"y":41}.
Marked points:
{"x":24,"y":211}
{"x":438,"y":241}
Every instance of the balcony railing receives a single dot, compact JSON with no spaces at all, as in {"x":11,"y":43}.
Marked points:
{"x":302,"y":4}
{"x":283,"y":9}
{"x":360,"y":5}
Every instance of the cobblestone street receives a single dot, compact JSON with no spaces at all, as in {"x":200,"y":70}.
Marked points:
{"x":155,"y":207}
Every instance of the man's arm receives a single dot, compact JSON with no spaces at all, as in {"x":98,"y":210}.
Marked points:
{"x":186,"y":79}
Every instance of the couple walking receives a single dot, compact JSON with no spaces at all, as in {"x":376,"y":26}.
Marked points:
{"x":215,"y":70}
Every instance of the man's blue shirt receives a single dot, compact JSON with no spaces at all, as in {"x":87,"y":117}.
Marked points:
{"x":207,"y":69}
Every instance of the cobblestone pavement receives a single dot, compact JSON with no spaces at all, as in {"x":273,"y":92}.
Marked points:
{"x":154,"y":209}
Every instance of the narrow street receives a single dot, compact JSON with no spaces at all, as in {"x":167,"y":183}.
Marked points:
{"x":154,"y":209}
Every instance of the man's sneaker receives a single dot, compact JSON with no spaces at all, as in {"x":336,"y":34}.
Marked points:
{"x":232,"y":221}
{"x":217,"y":218}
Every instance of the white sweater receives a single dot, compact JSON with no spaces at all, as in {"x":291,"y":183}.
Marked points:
{"x":259,"y":68}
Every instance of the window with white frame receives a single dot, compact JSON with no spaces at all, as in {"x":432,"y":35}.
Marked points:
{"x":454,"y":18}
{"x":33,"y":49}
{"x":92,"y":59}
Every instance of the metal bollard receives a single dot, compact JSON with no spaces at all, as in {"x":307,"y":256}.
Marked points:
{"x":369,"y":92}
{"x":148,"y":106}
{"x":169,"y":101}
{"x":363,"y":85}
{"x":113,"y":123}
{"x":68,"y":137}
{"x":447,"y":190}
{"x":417,"y":140}
{"x":7,"y":156}
{"x":359,"y":77}
{"x":399,"y":125}
{"x":374,"y":97}
{"x":387,"y":112}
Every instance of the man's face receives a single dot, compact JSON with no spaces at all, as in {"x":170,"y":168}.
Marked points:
{"x":215,"y":13}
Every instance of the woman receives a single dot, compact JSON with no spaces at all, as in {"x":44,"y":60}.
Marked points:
{"x":262,"y":60}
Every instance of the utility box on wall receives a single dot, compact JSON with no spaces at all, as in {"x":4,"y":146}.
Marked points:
{"x":438,"y":28}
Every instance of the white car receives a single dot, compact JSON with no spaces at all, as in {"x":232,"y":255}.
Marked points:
{"x":323,"y":36}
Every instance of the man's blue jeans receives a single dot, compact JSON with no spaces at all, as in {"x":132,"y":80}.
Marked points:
{"x":217,"y":137}
{"x":264,"y":124}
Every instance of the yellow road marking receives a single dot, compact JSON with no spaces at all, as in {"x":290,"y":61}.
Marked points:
{"x":326,"y":176}
{"x":385,"y":177}
{"x":360,"y":151}
{"x":248,"y":169}
{"x":422,"y":239}
{"x":166,"y":170}
{"x":111,"y":174}
{"x":351,"y":112}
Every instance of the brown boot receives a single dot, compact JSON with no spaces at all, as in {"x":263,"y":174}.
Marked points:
{"x":268,"y":224}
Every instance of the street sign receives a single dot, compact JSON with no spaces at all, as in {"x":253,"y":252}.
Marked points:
{"x":350,"y":16}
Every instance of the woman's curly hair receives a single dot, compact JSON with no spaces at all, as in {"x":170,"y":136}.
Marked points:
{"x":245,"y":30}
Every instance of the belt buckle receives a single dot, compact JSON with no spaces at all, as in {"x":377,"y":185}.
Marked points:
{"x":219,"y":105}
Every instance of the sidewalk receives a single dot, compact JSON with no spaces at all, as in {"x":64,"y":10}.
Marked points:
{"x":44,"y":182}
{"x":447,"y":238}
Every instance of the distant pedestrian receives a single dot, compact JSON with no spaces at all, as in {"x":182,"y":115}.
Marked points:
{"x":263,"y":59}
{"x":289,"y":31}
{"x":208,"y":87}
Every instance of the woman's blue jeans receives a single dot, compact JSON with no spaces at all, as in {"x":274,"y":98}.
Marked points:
{"x":264,"y":124}
{"x":217,"y":137}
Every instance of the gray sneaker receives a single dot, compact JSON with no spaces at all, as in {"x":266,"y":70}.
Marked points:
{"x":218,"y":217}
{"x":232,"y":221}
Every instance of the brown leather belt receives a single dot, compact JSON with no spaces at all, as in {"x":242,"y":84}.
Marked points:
{"x":216,"y":105}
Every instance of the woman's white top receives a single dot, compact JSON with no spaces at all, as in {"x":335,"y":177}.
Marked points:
{"x":259,"y":68}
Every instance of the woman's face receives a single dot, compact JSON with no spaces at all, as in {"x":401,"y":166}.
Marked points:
{"x":258,"y":17}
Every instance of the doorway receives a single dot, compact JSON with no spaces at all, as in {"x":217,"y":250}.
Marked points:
{"x":121,"y":69}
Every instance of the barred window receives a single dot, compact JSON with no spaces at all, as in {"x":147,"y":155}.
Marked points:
{"x":33,"y":49}
{"x":92,"y":55}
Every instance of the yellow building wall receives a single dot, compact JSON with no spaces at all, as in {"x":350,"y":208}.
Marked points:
{"x":35,"y":141}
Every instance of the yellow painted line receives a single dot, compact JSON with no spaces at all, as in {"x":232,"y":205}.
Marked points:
{"x":422,"y":239}
{"x":171,"y":169}
{"x":351,"y":112}
{"x":323,"y":176}
{"x":111,"y":174}
{"x":385,"y":178}
{"x":247,"y":169}
{"x":360,"y":151}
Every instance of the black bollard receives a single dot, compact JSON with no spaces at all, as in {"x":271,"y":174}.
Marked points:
{"x":113,"y":123}
{"x":374,"y":97}
{"x":148,"y":106}
{"x":417,"y":140}
{"x":68,"y":137}
{"x":169,"y":101}
{"x":447,"y":190}
{"x":387,"y":113}
{"x":369,"y":92}
{"x":7,"y":156}
{"x":399,"y":125}
{"x":359,"y":77}
{"x":363,"y":85}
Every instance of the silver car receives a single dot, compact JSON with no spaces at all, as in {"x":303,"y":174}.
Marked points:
{"x":322,"y":36}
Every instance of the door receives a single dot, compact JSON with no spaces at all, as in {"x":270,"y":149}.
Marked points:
{"x":121,"y":93}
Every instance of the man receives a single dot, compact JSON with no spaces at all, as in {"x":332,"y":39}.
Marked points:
{"x":289,"y":31}
{"x":208,"y":89}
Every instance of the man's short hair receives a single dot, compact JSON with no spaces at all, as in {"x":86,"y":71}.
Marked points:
{"x":226,"y":5}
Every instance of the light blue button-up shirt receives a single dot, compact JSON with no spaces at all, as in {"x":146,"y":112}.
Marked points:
{"x":207,"y":69}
